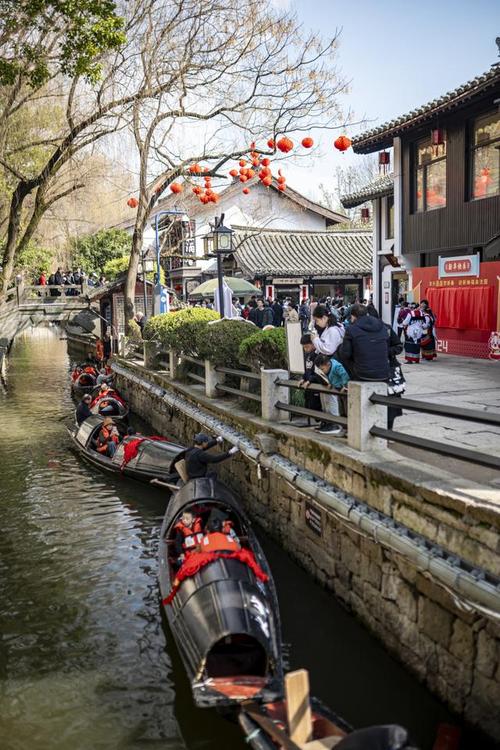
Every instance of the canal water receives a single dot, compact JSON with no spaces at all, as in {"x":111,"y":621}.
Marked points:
{"x":86,"y":659}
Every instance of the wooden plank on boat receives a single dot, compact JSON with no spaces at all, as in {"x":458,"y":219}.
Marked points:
{"x":298,"y":708}
{"x":181,"y":468}
{"x":272,"y":729}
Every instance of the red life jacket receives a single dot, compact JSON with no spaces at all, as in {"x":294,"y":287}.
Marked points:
{"x":192,"y":534}
{"x":216,"y":541}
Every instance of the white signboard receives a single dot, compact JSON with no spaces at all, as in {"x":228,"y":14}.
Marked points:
{"x":461,"y":265}
{"x":287,"y":282}
{"x":295,"y":353}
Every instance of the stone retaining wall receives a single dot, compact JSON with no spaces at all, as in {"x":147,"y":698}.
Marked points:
{"x":456,"y":652}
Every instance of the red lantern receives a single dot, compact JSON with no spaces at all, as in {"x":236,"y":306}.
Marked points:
{"x":132,"y":202}
{"x":285,"y":144}
{"x":255,"y":162}
{"x":246,"y":191}
{"x":282,"y":187}
{"x":243,"y":178}
{"x":242,"y":162}
{"x":266,"y":162}
{"x":214,"y":197}
{"x":270,"y":143}
{"x":195,"y":169}
{"x":234,"y":173}
{"x":176,"y":187}
{"x":307,"y":142}
{"x":384,"y":158}
{"x":437,"y":137}
{"x":250,"y":174}
{"x":365,"y":214}
{"x":267,"y":181}
{"x":197,"y":190}
{"x":342,"y":143}
{"x":281,"y":178}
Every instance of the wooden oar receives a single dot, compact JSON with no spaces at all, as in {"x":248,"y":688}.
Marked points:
{"x":172,"y":487}
{"x":271,"y":728}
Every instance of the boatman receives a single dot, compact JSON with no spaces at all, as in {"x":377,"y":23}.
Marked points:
{"x":83,"y":409}
{"x":198,"y":457}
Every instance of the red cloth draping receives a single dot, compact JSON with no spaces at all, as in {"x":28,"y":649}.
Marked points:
{"x":131,"y":447}
{"x":462,"y":307}
{"x":198,"y":560}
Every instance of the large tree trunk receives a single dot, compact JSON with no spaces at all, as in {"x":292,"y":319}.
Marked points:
{"x":132,"y":273}
{"x":16,"y":206}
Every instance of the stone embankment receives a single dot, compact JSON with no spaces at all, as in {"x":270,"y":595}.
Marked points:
{"x":416,"y":558}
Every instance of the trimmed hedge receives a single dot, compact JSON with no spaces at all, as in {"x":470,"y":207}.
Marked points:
{"x":264,"y":349}
{"x":180,"y":330}
{"x":220,"y":341}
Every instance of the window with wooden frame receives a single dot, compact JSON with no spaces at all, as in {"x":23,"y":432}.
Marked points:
{"x":429,"y":175}
{"x":485,"y":156}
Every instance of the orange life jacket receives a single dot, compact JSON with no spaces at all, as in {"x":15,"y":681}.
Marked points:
{"x":89,"y":369}
{"x":99,"y":350}
{"x":104,"y":437}
{"x":192,"y":534}
{"x":216,"y":541}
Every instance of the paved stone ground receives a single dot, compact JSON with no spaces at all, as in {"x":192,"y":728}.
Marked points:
{"x":457,"y":381}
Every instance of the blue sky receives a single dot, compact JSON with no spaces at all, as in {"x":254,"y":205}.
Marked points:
{"x":398,"y":55}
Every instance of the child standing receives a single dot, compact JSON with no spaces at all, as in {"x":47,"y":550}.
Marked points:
{"x":334,"y":375}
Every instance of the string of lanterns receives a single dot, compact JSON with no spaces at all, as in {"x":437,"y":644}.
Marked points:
{"x":255,"y":166}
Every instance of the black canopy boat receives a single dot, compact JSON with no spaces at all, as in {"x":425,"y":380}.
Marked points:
{"x":109,"y":404}
{"x":153,"y":459}
{"x":84,"y":378}
{"x":224,"y":619}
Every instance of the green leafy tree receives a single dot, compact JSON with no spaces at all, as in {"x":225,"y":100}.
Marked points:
{"x":34,"y":259}
{"x":93,"y":251}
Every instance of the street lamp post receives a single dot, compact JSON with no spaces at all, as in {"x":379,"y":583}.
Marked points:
{"x":221,"y":241}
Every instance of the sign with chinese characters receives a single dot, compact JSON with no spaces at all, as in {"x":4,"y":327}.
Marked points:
{"x":458,"y":282}
{"x":462,"y":265}
{"x":287,"y":281}
{"x":314,"y":518}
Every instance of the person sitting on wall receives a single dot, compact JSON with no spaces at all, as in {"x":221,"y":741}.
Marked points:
{"x":216,"y":541}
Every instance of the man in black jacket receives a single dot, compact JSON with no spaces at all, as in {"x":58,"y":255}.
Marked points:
{"x":198,"y":458}
{"x":83,"y":409}
{"x":365,"y":348}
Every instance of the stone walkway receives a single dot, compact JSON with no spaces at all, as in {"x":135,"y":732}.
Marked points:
{"x":457,"y":381}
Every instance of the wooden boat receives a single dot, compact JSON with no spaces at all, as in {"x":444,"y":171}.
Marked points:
{"x":83,"y":379}
{"x":153,"y":460}
{"x":109,"y":404}
{"x":301,"y":723}
{"x":224,"y":619}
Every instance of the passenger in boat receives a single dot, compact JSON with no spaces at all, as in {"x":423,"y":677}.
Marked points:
{"x":198,"y":458}
{"x":108,"y":438}
{"x":103,"y":377}
{"x":216,"y":541}
{"x":188,"y":534}
{"x":83,"y":409}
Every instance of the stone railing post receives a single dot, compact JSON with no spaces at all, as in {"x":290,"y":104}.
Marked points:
{"x":173,"y":363}
{"x":271,"y":393}
{"x":362,"y":415}
{"x":212,"y":379}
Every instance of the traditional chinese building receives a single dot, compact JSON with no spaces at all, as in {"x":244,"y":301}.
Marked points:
{"x":436,"y":216}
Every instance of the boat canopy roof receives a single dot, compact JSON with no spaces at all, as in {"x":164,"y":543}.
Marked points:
{"x":203,"y":490}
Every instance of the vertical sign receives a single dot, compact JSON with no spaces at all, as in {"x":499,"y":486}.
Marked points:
{"x":313,"y":518}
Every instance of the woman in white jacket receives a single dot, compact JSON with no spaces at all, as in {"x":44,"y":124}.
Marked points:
{"x":327,"y":332}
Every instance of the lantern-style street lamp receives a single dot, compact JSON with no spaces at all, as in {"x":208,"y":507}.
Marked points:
{"x":218,"y":243}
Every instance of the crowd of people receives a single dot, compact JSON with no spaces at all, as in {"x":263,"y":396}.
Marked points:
{"x":78,"y":277}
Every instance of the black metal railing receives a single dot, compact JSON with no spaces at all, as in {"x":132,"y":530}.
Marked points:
{"x":442,"y":410}
{"x":302,"y":411}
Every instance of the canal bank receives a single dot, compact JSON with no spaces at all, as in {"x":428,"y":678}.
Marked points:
{"x":86,"y":661}
{"x":400,"y":549}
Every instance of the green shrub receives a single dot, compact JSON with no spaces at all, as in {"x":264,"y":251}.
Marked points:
{"x":220,"y":342}
{"x":180,"y":330}
{"x":264,"y":349}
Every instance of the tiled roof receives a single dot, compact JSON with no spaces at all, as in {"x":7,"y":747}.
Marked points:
{"x":376,"y":189}
{"x":282,"y":253}
{"x":381,"y":137}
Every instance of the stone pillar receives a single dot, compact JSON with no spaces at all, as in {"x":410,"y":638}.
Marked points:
{"x":362,"y":415}
{"x":173,"y":360}
{"x":271,"y":393}
{"x":212,"y":379}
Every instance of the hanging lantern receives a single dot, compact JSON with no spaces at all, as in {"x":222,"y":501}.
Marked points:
{"x":176,"y":187}
{"x":242,"y":162}
{"x":307,"y":142}
{"x":132,"y":202}
{"x":365,"y":215}
{"x":197,"y":190}
{"x":266,"y":162}
{"x":250,"y":174}
{"x":285,"y":144}
{"x":342,"y":143}
{"x":234,"y":173}
{"x":267,"y":181}
{"x":384,"y":159}
{"x":246,"y":191}
{"x":282,"y":187}
{"x":243,"y":178}
{"x":281,"y":179}
{"x":255,"y":162}
{"x":195,"y":169}
{"x":270,"y":143}
{"x":437,"y":137}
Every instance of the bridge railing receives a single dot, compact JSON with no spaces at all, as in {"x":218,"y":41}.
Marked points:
{"x":51,"y":294}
